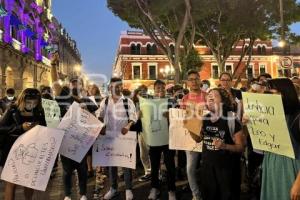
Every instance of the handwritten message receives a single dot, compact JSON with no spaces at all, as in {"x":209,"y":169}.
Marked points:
{"x":179,"y":137}
{"x":155,"y":125}
{"x":31,"y":158}
{"x":115,"y":149}
{"x":267,"y":126}
{"x":81,"y":130}
{"x":52,"y":113}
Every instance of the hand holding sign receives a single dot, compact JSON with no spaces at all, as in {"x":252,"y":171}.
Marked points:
{"x":193,"y":119}
{"x":267,"y":124}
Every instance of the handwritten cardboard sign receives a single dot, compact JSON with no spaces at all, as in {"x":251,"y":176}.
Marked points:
{"x":81,"y":130}
{"x":155,"y":125}
{"x":31,"y":158}
{"x":193,"y":121}
{"x":52,"y":113}
{"x":179,"y":137}
{"x":267,"y":127}
{"x":115,"y":149}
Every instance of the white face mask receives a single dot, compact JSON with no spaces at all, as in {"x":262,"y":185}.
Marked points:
{"x":10,"y":98}
{"x":255,"y":87}
{"x":204,"y":87}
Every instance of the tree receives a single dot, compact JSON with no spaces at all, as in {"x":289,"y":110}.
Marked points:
{"x":221,"y":24}
{"x":191,"y":61}
{"x":162,"y":22}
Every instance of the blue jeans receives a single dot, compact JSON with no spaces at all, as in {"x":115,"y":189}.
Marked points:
{"x":192,"y":159}
{"x":68,"y":167}
{"x":113,"y":177}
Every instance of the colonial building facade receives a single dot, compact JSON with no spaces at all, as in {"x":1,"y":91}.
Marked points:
{"x":28,"y":35}
{"x":140,"y":61}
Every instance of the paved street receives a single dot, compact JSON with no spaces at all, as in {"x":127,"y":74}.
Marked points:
{"x":55,"y":190}
{"x":141,"y":190}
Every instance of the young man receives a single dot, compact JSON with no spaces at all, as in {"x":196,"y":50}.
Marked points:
{"x":65,"y":96}
{"x":155,"y":155}
{"x":7,"y":100}
{"x":195,"y":96}
{"x":117,"y":118}
{"x":142,"y":91}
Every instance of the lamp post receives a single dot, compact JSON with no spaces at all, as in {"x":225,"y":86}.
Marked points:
{"x":167,"y":72}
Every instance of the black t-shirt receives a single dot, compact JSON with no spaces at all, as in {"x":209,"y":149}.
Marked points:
{"x":217,"y":130}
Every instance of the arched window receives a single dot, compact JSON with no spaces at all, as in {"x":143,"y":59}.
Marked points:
{"x":149,"y":49}
{"x":133,"y":49}
{"x":259,"y":50}
{"x":154,"y":49}
{"x":138,"y":49}
{"x":263,"y":50}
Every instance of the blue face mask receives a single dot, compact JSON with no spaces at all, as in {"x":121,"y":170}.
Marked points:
{"x":204,"y":87}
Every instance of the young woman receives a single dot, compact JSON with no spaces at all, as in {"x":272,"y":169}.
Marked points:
{"x":26,"y":113}
{"x":281,"y":174}
{"x":221,"y":145}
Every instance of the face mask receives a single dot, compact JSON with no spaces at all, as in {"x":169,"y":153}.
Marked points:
{"x":10,"y":98}
{"x":204,"y":87}
{"x":255,"y":87}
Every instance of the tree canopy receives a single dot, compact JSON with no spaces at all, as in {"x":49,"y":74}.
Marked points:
{"x":218,"y":24}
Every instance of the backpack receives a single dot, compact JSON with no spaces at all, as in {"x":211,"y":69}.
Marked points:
{"x":137,"y":127}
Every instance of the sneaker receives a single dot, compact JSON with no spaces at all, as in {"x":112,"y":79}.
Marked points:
{"x":146,"y":177}
{"x":111,"y":194}
{"x":83,"y":197}
{"x":129,"y":195}
{"x":172,"y":196}
{"x":67,"y":198}
{"x":154,"y":194}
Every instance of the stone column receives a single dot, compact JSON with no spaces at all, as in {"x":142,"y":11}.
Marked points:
{"x":35,"y":74}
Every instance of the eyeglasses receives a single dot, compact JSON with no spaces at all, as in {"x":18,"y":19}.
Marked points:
{"x":193,"y":79}
{"x":225,"y":80}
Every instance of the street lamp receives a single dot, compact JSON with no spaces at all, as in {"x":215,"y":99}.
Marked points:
{"x":167,"y":72}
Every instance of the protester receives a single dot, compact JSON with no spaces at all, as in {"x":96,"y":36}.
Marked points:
{"x":196,"y":97}
{"x":141,"y":91}
{"x":7,"y":100}
{"x":155,"y":155}
{"x":117,"y":117}
{"x":205,"y":85}
{"x":20,"y":117}
{"x":94,"y":91}
{"x":281,"y":174}
{"x":46,"y":92}
{"x":236,"y":95}
{"x":220,"y":143}
{"x":65,"y":96}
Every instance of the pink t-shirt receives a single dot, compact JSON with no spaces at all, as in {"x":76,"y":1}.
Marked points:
{"x":198,"y":98}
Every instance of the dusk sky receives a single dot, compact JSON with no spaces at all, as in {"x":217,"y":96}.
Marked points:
{"x":96,"y":31}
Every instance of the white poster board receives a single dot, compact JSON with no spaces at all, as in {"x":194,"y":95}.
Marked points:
{"x":179,"y":137}
{"x":115,"y":149}
{"x":31,"y":158}
{"x":52,"y":113}
{"x":81,"y":130}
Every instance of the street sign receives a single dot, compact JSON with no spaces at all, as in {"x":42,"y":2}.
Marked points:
{"x":286,"y":62}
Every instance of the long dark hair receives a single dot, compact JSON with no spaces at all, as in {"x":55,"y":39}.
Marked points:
{"x":225,"y":98}
{"x":288,"y":92}
{"x":26,"y":94}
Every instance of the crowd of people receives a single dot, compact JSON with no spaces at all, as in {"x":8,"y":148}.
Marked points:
{"x":228,"y":163}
